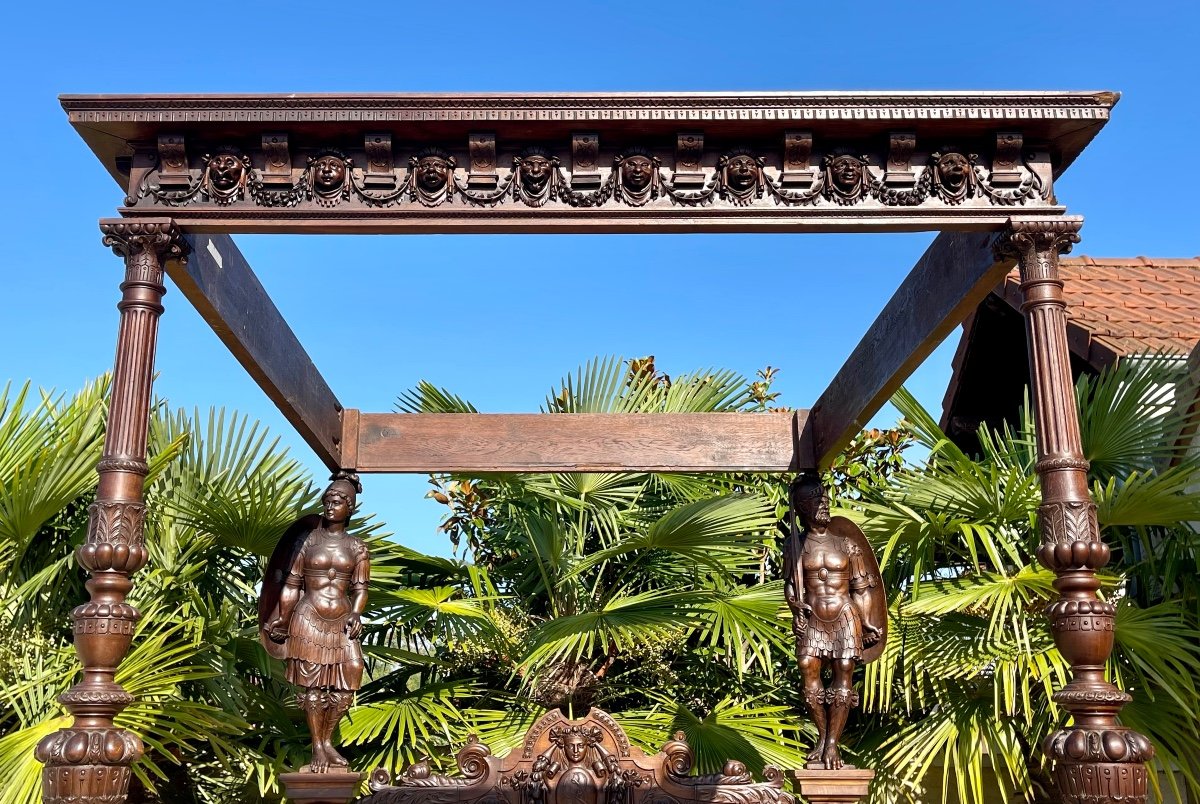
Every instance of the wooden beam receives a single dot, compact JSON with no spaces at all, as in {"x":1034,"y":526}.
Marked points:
{"x":219,"y":282}
{"x":952,"y":277}
{"x":582,"y":442}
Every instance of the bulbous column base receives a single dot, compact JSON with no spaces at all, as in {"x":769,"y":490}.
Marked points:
{"x":91,"y":765}
{"x":1100,"y":766}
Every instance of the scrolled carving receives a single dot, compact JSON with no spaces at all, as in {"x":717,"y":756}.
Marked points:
{"x":1006,"y":163}
{"x":482,"y":173}
{"x":472,"y":759}
{"x":130,"y":238}
{"x":740,"y":176}
{"x":173,"y":170}
{"x":380,"y":171}
{"x":847,"y":178}
{"x":689,"y":157}
{"x":899,"y":172}
{"x":679,"y":755}
{"x":277,"y":167}
{"x":226,"y":175}
{"x":585,"y":150}
{"x":797,"y":149}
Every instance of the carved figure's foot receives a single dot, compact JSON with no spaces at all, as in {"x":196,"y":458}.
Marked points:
{"x":817,"y":753}
{"x":336,"y":760}
{"x":320,"y":761}
{"x":832,"y":757}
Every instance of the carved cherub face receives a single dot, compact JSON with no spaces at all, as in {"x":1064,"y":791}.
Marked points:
{"x":847,"y":173}
{"x":328,"y":173}
{"x":741,"y":172}
{"x":535,"y":173}
{"x":433,"y":172}
{"x":225,"y":171}
{"x":637,"y":172}
{"x":952,"y":170}
{"x":575,"y":747}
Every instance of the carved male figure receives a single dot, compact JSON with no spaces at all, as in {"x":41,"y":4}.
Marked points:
{"x":846,"y":177}
{"x":434,"y":170}
{"x":839,"y":611}
{"x":327,"y":175}
{"x":953,"y":175}
{"x":226,"y":174}
{"x":310,"y":614}
{"x":637,"y":176}
{"x":534,"y":169}
{"x":741,"y":175}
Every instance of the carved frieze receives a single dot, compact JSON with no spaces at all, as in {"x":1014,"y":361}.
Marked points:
{"x":797,"y":171}
{"x":585,"y":761}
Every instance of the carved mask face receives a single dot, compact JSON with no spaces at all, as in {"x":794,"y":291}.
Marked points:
{"x":575,"y":747}
{"x":636,"y":172}
{"x":225,"y":172}
{"x":952,"y":170}
{"x":535,"y":173}
{"x":742,"y":172}
{"x":847,"y":173}
{"x":432,"y":173}
{"x":328,"y":173}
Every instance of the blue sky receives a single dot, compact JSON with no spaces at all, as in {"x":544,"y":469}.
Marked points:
{"x":499,"y":319}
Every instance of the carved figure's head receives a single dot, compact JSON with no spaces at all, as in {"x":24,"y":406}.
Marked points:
{"x":536,"y":166}
{"x":742,"y":171}
{"x":338,"y":501}
{"x":952,"y":169}
{"x":433,"y":172}
{"x":637,"y":171}
{"x":811,"y":501}
{"x":847,"y":173}
{"x":575,"y":747}
{"x":226,"y":171}
{"x":328,"y":173}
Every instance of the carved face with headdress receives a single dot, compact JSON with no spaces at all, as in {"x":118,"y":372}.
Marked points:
{"x":225,"y":172}
{"x":327,"y":176}
{"x":637,"y":175}
{"x":535,"y":170}
{"x":337,"y":503}
{"x":433,"y":171}
{"x":952,"y":174}
{"x":742,"y":170}
{"x":846,"y":177}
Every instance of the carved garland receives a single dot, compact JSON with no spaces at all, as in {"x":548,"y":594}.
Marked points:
{"x":536,"y":178}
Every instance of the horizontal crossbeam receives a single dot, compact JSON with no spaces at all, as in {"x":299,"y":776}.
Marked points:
{"x":538,"y":442}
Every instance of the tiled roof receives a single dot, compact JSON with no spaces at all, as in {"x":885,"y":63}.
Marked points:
{"x":1117,"y":307}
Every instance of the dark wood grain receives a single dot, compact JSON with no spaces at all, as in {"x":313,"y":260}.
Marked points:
{"x":219,"y":282}
{"x":949,"y":281}
{"x":682,"y":442}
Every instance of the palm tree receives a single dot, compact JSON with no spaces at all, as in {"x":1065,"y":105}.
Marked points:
{"x":967,"y":678}
{"x":647,"y":593}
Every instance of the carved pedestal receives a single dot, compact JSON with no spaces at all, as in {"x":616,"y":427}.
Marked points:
{"x":1095,"y":759}
{"x":820,"y":786}
{"x":89,"y":762}
{"x":321,"y":788}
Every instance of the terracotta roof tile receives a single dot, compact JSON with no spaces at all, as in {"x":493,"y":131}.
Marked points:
{"x":1128,"y":305}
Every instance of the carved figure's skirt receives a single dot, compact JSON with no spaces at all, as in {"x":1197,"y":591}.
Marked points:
{"x":319,"y":652}
{"x":839,"y":638}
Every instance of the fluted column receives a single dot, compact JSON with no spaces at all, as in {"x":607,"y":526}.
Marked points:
{"x":1095,"y":759}
{"x":89,"y":762}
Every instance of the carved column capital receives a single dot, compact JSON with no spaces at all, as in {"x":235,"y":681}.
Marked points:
{"x":128,"y":238}
{"x":1036,"y":244}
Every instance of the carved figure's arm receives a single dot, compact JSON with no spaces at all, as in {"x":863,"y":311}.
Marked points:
{"x":358,"y":590}
{"x":863,"y":588}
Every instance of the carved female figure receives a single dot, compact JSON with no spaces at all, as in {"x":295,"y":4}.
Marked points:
{"x":310,"y":614}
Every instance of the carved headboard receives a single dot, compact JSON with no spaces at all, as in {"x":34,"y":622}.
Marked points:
{"x":585,"y":761}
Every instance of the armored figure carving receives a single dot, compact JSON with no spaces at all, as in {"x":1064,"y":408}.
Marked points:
{"x":310,"y":614}
{"x":839,"y":611}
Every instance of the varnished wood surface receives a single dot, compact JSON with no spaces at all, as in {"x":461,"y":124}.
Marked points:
{"x":219,"y":282}
{"x":483,"y":442}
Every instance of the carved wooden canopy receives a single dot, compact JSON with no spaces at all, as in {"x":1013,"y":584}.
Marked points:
{"x":585,"y":761}
{"x":965,"y":163}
